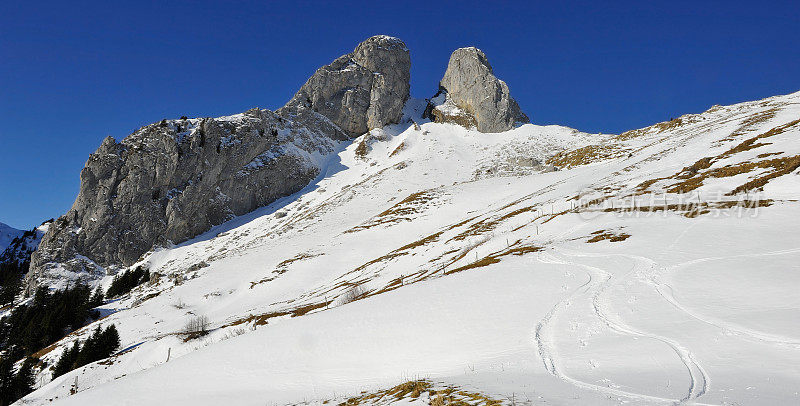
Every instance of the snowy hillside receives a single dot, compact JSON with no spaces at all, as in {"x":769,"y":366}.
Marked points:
{"x":657,"y":266}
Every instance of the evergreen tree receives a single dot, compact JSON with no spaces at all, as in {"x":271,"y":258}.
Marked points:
{"x":9,"y":289}
{"x":6,"y":381}
{"x":97,"y":298}
{"x":46,"y":319}
{"x":91,"y":350}
{"x":125,"y":282}
{"x":110,"y":341}
{"x":10,"y":281}
{"x":14,"y":386}
{"x":24,"y":379}
{"x":100,"y":344}
{"x":67,"y":360}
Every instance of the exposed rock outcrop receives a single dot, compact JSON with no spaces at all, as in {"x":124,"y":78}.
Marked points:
{"x":173,"y":180}
{"x":470,"y":95}
{"x":360,"y":91}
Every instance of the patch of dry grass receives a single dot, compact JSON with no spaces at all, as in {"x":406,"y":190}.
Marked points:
{"x":691,"y":170}
{"x":751,"y":143}
{"x":692,"y":177}
{"x":362,"y":149}
{"x":400,"y":211}
{"x":660,"y":127}
{"x":781,"y":166}
{"x":493,"y":258}
{"x":693,"y":209}
{"x":601,"y":235}
{"x":299,"y":257}
{"x":751,"y":122}
{"x":282,"y":267}
{"x":445,"y":396}
{"x":421,"y":242}
{"x":584,"y":155}
{"x":477,"y":228}
{"x":263,"y":319}
{"x":778,"y":166}
{"x":400,"y":148}
{"x":767,"y":154}
{"x":412,"y":389}
{"x":485,"y":261}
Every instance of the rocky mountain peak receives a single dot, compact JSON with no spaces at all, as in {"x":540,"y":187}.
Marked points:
{"x":174,"y":179}
{"x":359,"y":91}
{"x":471,"y":95}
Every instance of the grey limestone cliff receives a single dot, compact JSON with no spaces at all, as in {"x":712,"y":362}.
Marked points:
{"x":470,"y":95}
{"x":173,"y":180}
{"x":360,"y":91}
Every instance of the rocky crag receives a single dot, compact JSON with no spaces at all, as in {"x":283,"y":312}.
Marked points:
{"x":359,"y":91}
{"x":173,"y":180}
{"x":470,"y":95}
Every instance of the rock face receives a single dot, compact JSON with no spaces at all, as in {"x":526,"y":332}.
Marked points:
{"x":470,"y":95}
{"x":173,"y":180}
{"x":359,"y":91}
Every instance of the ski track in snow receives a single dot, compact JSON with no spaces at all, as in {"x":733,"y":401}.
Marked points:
{"x":726,"y":327}
{"x":666,"y":292}
{"x":699,"y":379}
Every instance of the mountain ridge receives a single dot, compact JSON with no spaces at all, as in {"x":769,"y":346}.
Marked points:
{"x":170,"y":181}
{"x":7,"y":234}
{"x":472,"y":256}
{"x":361,"y":245}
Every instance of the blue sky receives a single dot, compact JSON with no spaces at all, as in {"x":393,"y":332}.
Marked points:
{"x":73,"y":72}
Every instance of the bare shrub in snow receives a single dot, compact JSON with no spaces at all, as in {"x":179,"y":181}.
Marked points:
{"x":233,"y":333}
{"x":196,"y":326}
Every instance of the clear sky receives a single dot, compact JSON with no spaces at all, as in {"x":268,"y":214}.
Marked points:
{"x":73,"y":72}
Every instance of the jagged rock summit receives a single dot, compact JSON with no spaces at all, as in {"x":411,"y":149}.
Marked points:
{"x":470,"y":95}
{"x":360,"y":91}
{"x":173,"y":180}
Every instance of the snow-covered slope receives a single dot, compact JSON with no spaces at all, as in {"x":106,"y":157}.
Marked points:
{"x":649,"y":269}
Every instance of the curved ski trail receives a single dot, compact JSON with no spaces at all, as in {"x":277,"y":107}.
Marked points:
{"x":726,"y":327}
{"x":699,"y":380}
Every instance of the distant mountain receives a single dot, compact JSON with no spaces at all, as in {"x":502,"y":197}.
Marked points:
{"x":24,"y":243}
{"x":7,"y":234}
